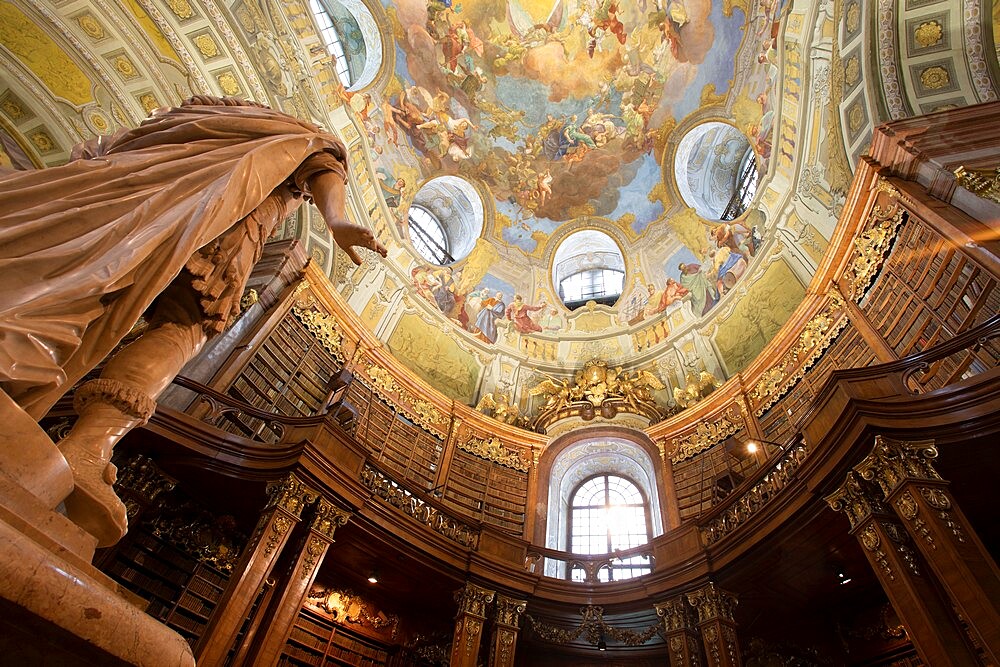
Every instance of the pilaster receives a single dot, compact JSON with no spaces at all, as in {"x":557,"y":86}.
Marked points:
{"x":921,"y":605}
{"x":295,"y":584}
{"x":505,"y":629}
{"x":472,"y":601}
{"x":911,"y":485}
{"x":287,"y":499}
{"x":718,"y":628}
{"x":681,"y":632}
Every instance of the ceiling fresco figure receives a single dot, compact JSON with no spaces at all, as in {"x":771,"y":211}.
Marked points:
{"x":536,"y":98}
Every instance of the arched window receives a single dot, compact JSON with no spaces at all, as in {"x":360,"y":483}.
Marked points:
{"x":609,"y":513}
{"x":332,"y":41}
{"x":428,"y":236}
{"x":588,"y":266}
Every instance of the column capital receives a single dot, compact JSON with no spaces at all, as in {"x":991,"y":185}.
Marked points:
{"x":472,"y":599}
{"x":856,"y":499}
{"x":893,"y":462}
{"x":713,"y":603}
{"x":327,"y":518}
{"x":290,"y":494}
{"x":509,"y":610}
{"x":677,"y":614}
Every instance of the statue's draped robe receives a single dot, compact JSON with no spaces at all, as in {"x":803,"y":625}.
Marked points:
{"x":86,"y":247}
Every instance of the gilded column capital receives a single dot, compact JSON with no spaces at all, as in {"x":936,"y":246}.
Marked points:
{"x":892,"y":462}
{"x":677,"y":614}
{"x":713,"y":603}
{"x":509,"y":610}
{"x":856,"y":499}
{"x":290,"y":494}
{"x":327,"y":518}
{"x":472,"y":599}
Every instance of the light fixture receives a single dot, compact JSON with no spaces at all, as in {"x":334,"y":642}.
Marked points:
{"x":601,"y":644}
{"x":844,"y":579}
{"x":373,"y":577}
{"x":752,"y":447}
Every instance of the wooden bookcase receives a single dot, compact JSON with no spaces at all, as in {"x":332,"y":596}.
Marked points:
{"x":316,"y":640}
{"x":488,"y":491}
{"x":290,"y":374}
{"x":182,"y":592}
{"x":397,"y":445}
{"x":930,"y":291}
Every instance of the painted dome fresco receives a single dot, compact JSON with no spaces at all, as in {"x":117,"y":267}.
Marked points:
{"x":568,"y":180}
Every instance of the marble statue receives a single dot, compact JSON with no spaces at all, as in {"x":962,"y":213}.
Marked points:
{"x":166,"y":220}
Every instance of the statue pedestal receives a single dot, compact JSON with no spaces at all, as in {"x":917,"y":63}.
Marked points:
{"x":55,"y":607}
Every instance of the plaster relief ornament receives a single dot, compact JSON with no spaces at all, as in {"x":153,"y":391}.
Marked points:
{"x":598,"y":386}
{"x":176,"y":210}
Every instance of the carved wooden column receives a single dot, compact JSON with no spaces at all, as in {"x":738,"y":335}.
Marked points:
{"x":922,"y":607}
{"x":472,"y":601}
{"x":295,"y":585}
{"x":718,"y":628}
{"x":286,"y":500}
{"x":953,"y":551}
{"x":681,"y":632}
{"x":508,"y":616}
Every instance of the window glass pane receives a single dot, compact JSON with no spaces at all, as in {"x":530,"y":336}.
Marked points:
{"x":332,"y":41}
{"x":608,"y":513}
{"x":428,"y":236}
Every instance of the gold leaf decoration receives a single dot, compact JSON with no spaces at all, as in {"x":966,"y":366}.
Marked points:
{"x":493,"y":450}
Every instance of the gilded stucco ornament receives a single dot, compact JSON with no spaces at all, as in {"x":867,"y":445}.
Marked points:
{"x":817,"y":335}
{"x":871,"y":247}
{"x":597,"y":385}
{"x":500,"y":407}
{"x":347,"y":607}
{"x":492,"y":450}
{"x":423,"y":413}
{"x":707,"y":433}
{"x":592,"y":627}
{"x":984,"y":183}
{"x":697,"y":387}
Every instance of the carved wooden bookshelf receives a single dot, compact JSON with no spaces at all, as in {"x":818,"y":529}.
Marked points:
{"x":316,"y":640}
{"x":182,"y":592}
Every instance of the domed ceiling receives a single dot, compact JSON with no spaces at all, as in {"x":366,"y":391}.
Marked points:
{"x":520,"y":123}
{"x":566,"y":116}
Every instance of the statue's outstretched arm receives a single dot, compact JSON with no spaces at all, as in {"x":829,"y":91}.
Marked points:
{"x":330,"y":194}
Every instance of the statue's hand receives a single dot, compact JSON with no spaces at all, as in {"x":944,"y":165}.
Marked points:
{"x":348,"y":236}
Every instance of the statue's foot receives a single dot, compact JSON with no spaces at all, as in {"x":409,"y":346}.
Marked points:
{"x":93,"y":504}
